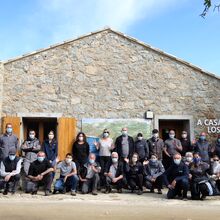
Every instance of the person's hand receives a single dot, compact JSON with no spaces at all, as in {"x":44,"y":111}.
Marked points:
{"x":170,"y":186}
{"x":126,"y":160}
{"x":190,"y":176}
{"x":95,"y":143}
{"x":83,"y":180}
{"x":173,"y":184}
{"x":65,"y":178}
{"x":7,"y":178}
{"x":57,"y":159}
{"x":193,"y":141}
{"x":109,"y":174}
{"x":145,"y":162}
{"x":153,"y":179}
{"x":114,"y":180}
{"x":93,"y":168}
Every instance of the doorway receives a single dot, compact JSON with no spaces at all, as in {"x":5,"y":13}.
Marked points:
{"x":41,"y":126}
{"x":177,"y":125}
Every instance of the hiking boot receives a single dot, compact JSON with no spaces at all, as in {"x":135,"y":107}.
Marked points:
{"x":73,"y":193}
{"x":5,"y":192}
{"x":47,"y":192}
{"x":139,"y":192}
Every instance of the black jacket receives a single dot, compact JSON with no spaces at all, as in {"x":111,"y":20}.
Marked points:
{"x":118,"y":146}
{"x":120,"y":169}
{"x":176,"y":172}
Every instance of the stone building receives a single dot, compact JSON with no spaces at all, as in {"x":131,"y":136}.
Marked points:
{"x":105,"y":74}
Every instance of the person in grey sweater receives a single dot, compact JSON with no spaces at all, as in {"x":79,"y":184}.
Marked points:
{"x":30,"y":148}
{"x":8,"y":141}
{"x":153,"y":173}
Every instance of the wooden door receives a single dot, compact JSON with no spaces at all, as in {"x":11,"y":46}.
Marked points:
{"x":16,"y":123}
{"x":66,"y":136}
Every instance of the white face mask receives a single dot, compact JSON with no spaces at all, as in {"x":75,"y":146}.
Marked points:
{"x":134,"y":159}
{"x":114,"y":160}
{"x":68,"y":160}
{"x":155,"y":135}
{"x":189,"y":159}
{"x":32,"y":136}
{"x":81,"y":138}
{"x":105,"y":134}
{"x":172,"y":136}
{"x":177,"y":161}
{"x":140,"y":138}
{"x":50,"y":136}
{"x":184,"y":136}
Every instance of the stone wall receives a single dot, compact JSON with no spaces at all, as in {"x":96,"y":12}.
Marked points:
{"x":1,"y":88}
{"x":106,"y":75}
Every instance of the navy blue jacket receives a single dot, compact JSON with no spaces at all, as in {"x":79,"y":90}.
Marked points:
{"x":50,"y":149}
{"x":176,"y":172}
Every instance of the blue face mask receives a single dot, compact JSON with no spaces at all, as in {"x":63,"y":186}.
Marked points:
{"x":196,"y":160}
{"x":91,"y":161}
{"x":40,"y":159}
{"x":202,"y":138}
{"x":9,"y":130}
{"x":11,"y":157}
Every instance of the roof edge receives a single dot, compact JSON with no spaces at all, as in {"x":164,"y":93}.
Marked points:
{"x":122,"y":35}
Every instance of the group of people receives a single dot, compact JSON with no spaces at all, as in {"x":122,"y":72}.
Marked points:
{"x":130,"y":164}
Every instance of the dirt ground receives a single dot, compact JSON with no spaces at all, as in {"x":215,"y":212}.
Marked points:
{"x":111,"y":206}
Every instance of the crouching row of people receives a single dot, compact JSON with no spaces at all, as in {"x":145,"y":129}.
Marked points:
{"x":182,"y":176}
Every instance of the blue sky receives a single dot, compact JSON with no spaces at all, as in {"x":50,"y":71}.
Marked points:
{"x":173,"y":26}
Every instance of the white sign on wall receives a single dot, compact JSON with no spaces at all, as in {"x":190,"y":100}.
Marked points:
{"x":213,"y":125}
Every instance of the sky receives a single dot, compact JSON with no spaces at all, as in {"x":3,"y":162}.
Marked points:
{"x":173,"y":26}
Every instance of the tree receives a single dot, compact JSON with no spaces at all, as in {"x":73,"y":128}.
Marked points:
{"x":209,"y":4}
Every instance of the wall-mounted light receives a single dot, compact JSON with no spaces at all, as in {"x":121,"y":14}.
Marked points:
{"x":149,"y":114}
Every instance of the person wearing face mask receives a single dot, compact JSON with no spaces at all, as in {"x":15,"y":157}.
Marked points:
{"x":176,"y":178}
{"x":200,"y":183}
{"x":30,"y":148}
{"x":89,"y":175}
{"x":80,"y":150}
{"x":217,"y":146}
{"x":203,"y":147}
{"x":171,"y":146}
{"x":156,"y":145}
{"x":10,"y":171}
{"x":68,"y":176}
{"x":39,"y":174}
{"x":186,"y":143}
{"x":215,"y":171}
{"x":50,"y":147}
{"x":188,"y":159}
{"x":124,"y":145}
{"x":134,"y":174}
{"x":141,"y":148}
{"x":114,"y":174}
{"x":105,"y":146}
{"x":8,"y":141}
{"x":153,"y":174}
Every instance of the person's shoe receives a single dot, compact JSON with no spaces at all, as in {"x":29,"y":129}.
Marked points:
{"x":5,"y":192}
{"x":185,"y":199}
{"x":54,"y":191}
{"x":63,"y":191}
{"x":202,"y":197}
{"x":47,"y":192}
{"x":34,"y":193}
{"x":119,"y":190}
{"x":159,"y":191}
{"x":73,"y":193}
{"x":152,"y":190}
{"x":94,"y":193}
{"x":139,"y":192}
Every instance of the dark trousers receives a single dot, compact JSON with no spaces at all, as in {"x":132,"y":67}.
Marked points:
{"x":136,"y":181}
{"x":181,"y":188}
{"x":45,"y":182}
{"x":71,"y":182}
{"x":157,"y":184}
{"x":104,"y":160}
{"x":199,"y":189}
{"x":14,"y":180}
{"x":91,"y":184}
{"x":119,"y":184}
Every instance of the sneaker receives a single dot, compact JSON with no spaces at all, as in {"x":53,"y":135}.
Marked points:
{"x":34,"y":193}
{"x":73,"y":193}
{"x":54,"y":191}
{"x":94,"y":193}
{"x":159,"y":191}
{"x":119,"y":190}
{"x":5,"y":192}
{"x":47,"y":193}
{"x":185,"y":199}
{"x":152,"y":191}
{"x":139,"y":192}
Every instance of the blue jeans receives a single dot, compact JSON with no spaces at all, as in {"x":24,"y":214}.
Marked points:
{"x":71,"y":182}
